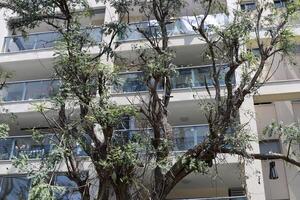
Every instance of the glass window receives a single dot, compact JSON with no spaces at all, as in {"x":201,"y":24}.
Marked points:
{"x":131,"y":83}
{"x":13,"y":92}
{"x":41,"y":89}
{"x":46,"y":40}
{"x":280,"y":3}
{"x":178,"y":27}
{"x":35,"y":90}
{"x":20,"y":43}
{"x":248,"y":6}
{"x":30,"y":148}
{"x":9,"y":45}
{"x":187,"y":137}
{"x":269,"y":146}
{"x":202,"y":74}
{"x":71,"y":188}
{"x":131,"y":32}
{"x":95,"y":34}
{"x":183,"y":79}
{"x":14,"y":188}
{"x":6,"y":148}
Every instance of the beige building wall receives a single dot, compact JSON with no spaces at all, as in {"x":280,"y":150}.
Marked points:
{"x":287,"y":185}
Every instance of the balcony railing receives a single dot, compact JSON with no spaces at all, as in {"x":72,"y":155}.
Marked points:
{"x":16,"y":146}
{"x":180,"y":26}
{"x":184,"y":137}
{"x":29,"y":90}
{"x":44,"y":40}
{"x":16,"y":187}
{"x":186,"y":77}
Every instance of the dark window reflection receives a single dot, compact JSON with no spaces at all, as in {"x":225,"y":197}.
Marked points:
{"x":6,"y":147}
{"x":14,"y":188}
{"x":71,"y":189}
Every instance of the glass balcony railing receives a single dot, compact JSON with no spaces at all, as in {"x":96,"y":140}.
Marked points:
{"x":16,"y":146}
{"x":30,"y":90}
{"x":151,"y":29}
{"x":186,"y":77}
{"x":189,"y":77}
{"x":184,"y":138}
{"x":180,"y":26}
{"x":16,"y":187}
{"x":44,"y":40}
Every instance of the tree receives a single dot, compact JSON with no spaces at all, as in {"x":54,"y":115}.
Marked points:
{"x":116,"y":158}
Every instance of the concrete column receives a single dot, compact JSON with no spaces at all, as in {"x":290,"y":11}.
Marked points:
{"x":109,"y":17}
{"x":285,"y":113}
{"x":4,"y":29}
{"x":253,"y":170}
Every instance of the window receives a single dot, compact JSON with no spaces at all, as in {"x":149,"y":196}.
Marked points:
{"x":280,"y":3}
{"x":256,"y":52}
{"x":269,"y":146}
{"x":14,"y":188}
{"x":248,"y":6}
{"x":17,"y":187}
{"x":70,"y":188}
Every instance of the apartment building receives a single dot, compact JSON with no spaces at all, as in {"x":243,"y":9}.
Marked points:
{"x":31,"y":61}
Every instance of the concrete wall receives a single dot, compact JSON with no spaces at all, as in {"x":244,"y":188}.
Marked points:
{"x":287,"y":185}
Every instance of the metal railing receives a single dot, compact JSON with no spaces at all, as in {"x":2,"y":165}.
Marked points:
{"x":43,"y":40}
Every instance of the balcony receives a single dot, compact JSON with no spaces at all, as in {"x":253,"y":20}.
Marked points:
{"x":16,"y":187}
{"x":29,"y":90}
{"x":184,"y":138}
{"x":182,"y":38}
{"x":38,"y":41}
{"x":14,"y":147}
{"x":131,"y":82}
{"x":23,"y":146}
{"x":180,"y":26}
{"x":187,"y":77}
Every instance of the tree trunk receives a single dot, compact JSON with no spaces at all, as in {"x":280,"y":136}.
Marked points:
{"x":103,"y":192}
{"x":122,"y":191}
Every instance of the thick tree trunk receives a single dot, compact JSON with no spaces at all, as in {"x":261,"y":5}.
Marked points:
{"x":122,"y":191}
{"x":103,"y":192}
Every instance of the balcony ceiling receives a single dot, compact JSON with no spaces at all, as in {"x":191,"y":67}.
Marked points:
{"x":188,"y":51}
{"x":213,"y":184}
{"x":28,"y":65}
